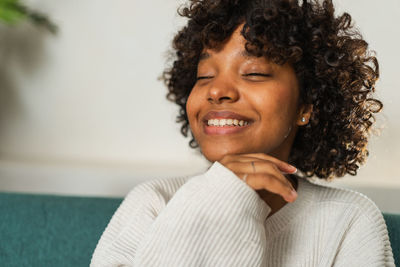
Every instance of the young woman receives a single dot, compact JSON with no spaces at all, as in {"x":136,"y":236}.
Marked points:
{"x":274,"y":91}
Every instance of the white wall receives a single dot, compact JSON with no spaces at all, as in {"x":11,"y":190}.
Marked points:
{"x":83,"y":113}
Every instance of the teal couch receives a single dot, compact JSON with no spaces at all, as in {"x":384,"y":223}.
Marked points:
{"x":47,"y":230}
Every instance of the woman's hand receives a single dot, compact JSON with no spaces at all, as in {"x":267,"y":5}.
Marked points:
{"x":266,"y":172}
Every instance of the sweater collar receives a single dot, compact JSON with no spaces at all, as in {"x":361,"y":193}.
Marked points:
{"x":279,"y":220}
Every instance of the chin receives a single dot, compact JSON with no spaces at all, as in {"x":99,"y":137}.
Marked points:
{"x":212,"y":157}
{"x":215,"y":153}
{"x":218,"y":152}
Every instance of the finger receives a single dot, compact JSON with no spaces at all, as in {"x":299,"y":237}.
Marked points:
{"x":253,"y":159}
{"x":285,"y":181}
{"x":283,"y":166}
{"x":262,"y":167}
{"x":272,"y":184}
{"x":258,"y":166}
{"x":248,"y":159}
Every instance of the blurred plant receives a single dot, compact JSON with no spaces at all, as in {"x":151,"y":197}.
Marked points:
{"x":13,"y":12}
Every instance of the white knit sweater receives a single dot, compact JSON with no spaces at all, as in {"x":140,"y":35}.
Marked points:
{"x":215,"y":219}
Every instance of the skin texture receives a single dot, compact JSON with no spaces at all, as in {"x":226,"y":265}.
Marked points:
{"x":268,"y":94}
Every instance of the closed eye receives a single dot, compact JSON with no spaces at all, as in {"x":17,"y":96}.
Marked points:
{"x":257,"y":74}
{"x":203,"y":77}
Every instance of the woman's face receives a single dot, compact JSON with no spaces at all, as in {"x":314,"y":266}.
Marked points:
{"x":234,"y":87}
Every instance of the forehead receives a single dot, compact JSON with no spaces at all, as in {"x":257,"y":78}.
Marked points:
{"x":207,"y":53}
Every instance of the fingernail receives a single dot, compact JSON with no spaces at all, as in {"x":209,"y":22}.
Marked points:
{"x":291,"y":197}
{"x":294,"y":169}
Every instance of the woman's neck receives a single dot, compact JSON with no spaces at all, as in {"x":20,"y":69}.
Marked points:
{"x":275,"y":201}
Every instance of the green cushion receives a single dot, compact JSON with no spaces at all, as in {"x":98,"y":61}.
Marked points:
{"x":44,"y":230}
{"x":393,"y":225}
{"x":47,"y":230}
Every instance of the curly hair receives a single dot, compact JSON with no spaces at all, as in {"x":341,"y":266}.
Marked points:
{"x":335,"y":69}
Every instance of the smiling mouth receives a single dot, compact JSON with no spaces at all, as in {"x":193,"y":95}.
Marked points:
{"x":227,"y":122}
{"x":225,"y":126}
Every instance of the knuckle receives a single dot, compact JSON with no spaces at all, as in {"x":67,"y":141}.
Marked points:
{"x":270,"y":181}
{"x":274,"y":167}
{"x":271,"y":165}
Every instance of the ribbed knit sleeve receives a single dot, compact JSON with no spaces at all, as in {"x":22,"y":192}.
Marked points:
{"x":213,"y":220}
{"x":366,"y":242}
{"x":119,"y":241}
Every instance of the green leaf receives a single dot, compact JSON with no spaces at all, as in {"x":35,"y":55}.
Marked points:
{"x":7,"y":2}
{"x":10,"y":12}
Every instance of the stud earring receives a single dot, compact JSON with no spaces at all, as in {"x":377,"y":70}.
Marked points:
{"x":303,"y":119}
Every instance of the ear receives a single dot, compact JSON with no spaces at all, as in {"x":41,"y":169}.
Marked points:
{"x":304,"y":114}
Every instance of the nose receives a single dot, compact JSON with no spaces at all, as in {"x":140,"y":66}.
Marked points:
{"x":222,"y":90}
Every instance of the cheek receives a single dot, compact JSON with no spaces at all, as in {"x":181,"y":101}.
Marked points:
{"x":277,"y":105}
{"x":286,"y":100}
{"x":192,"y":105}
{"x":273,"y":100}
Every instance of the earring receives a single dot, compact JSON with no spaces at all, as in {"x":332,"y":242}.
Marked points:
{"x":303,"y":119}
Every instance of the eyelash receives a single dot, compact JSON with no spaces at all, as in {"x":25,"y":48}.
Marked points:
{"x":248,"y":74}
{"x":203,"y":77}
{"x":257,"y":74}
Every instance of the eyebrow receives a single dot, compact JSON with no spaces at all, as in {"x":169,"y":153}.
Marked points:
{"x":204,"y":56}
{"x":242,"y":53}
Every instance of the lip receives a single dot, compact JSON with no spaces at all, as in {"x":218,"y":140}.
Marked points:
{"x":216,"y":130}
{"x":225,"y":114}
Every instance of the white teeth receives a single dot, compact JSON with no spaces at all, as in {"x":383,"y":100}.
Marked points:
{"x":227,"y":122}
